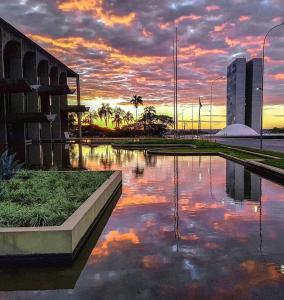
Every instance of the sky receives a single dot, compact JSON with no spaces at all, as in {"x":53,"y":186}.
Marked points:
{"x":122,"y":48}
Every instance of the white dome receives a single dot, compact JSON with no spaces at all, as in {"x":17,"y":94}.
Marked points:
{"x":237,"y":130}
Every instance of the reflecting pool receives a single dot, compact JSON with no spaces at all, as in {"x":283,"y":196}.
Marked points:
{"x":184,"y":228}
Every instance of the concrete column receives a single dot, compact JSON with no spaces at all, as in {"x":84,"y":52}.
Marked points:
{"x":79,"y":103}
{"x":14,"y":102}
{"x":55,"y":105}
{"x":3,"y":129}
{"x":63,"y":103}
{"x":57,"y":155}
{"x":43,"y":78}
{"x":47,"y":155}
{"x":34,"y":156}
{"x":32,"y":103}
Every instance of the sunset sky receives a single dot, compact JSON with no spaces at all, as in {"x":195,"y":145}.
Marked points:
{"x":122,"y":48}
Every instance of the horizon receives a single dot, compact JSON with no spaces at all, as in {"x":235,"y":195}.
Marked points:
{"x":122,"y":49}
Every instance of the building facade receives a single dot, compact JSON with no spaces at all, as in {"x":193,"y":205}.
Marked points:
{"x":243,"y":92}
{"x":33,"y":90}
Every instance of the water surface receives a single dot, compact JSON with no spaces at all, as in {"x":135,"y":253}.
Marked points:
{"x":184,"y":228}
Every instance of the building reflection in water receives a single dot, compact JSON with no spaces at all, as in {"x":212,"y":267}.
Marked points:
{"x":241,"y":184}
{"x":47,"y":156}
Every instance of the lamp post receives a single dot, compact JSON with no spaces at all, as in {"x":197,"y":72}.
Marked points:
{"x":211,"y":101}
{"x":262,"y":83}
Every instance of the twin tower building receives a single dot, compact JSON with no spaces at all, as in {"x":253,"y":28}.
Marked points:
{"x":244,"y":80}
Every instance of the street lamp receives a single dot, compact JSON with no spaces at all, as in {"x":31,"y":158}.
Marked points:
{"x":211,"y":101}
{"x":262,"y":83}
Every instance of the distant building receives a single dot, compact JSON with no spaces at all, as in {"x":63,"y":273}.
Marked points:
{"x":243,"y":93}
{"x":33,"y":90}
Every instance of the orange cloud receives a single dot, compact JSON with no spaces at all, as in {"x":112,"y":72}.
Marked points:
{"x":96,"y":7}
{"x":245,"y":41}
{"x":113,"y":240}
{"x":212,"y":7}
{"x":244,"y":18}
{"x":186,"y":18}
{"x":196,"y":51}
{"x":219,"y":28}
{"x":279,"y":76}
{"x":71,"y":42}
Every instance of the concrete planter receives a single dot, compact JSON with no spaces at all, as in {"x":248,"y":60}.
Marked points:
{"x":63,"y":241}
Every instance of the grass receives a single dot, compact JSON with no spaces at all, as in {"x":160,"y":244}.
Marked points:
{"x":278,"y":163}
{"x":45,"y":198}
{"x":257,"y":154}
{"x":165,"y":141}
{"x":216,"y":149}
{"x":267,"y":152}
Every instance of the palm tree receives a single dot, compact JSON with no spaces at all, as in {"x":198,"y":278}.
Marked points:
{"x":128,"y":118}
{"x":93,"y":116}
{"x":89,"y":117}
{"x":136,"y":101}
{"x":118,"y":116}
{"x":149,"y":114}
{"x":105,"y":112}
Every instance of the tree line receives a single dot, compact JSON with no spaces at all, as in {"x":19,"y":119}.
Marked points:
{"x":149,"y":121}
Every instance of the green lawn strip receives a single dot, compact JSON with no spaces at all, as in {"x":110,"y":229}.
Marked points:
{"x":45,"y":198}
{"x":267,"y":152}
{"x":164,"y":141}
{"x":239,"y":154}
{"x":216,"y":149}
{"x":278,"y":163}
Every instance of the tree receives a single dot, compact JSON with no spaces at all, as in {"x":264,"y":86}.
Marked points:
{"x":118,"y":116}
{"x":128,"y":118}
{"x":72,"y":119}
{"x":149,"y":114}
{"x":93,"y":116}
{"x":136,"y":101}
{"x":156,"y":124}
{"x":89,"y":117}
{"x":165,"y":120}
{"x":105,"y":112}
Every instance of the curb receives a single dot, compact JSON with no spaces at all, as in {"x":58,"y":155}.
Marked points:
{"x":59,"y":242}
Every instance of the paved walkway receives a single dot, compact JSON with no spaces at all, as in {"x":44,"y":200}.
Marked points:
{"x":268,"y":144}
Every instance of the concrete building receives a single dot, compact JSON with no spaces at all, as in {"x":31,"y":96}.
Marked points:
{"x":243,"y":94}
{"x":33,"y":90}
{"x":253,"y":93}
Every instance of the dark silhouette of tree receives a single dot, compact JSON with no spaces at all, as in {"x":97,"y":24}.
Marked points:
{"x":128,"y":118}
{"x":89,"y":117}
{"x":136,"y":101}
{"x":105,"y":112}
{"x":118,"y":117}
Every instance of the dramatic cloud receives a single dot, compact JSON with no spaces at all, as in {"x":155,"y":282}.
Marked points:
{"x":125,"y":47}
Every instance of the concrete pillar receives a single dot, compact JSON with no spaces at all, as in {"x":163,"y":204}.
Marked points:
{"x":43,"y":78}
{"x":14,"y":102}
{"x":57,"y":155}
{"x":32,"y":103}
{"x":63,"y":103}
{"x":3,"y":129}
{"x":79,"y":103}
{"x":47,"y":155}
{"x":55,"y":105}
{"x":34,"y":156}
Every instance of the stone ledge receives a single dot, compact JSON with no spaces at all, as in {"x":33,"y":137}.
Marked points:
{"x":143,"y":146}
{"x":64,"y":240}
